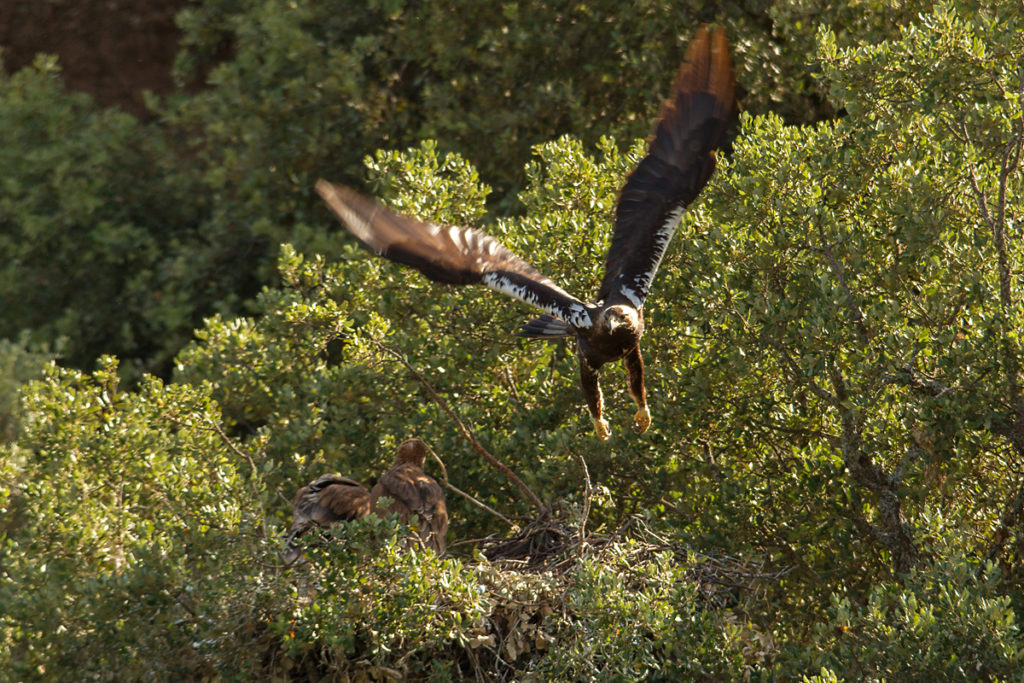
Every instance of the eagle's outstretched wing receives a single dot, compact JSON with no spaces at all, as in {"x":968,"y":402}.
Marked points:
{"x":449,"y":254}
{"x":681,"y":158}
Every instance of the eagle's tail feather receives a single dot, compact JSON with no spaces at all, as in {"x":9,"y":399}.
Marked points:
{"x":545,"y":326}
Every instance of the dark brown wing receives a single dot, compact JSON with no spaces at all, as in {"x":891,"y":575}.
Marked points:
{"x":329,"y":499}
{"x":691,"y":126}
{"x":458,"y":256}
{"x":415,"y":493}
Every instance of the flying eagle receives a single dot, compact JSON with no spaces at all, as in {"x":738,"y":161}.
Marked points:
{"x":332,"y":498}
{"x":681,"y":157}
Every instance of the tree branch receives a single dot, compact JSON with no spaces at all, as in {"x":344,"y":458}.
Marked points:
{"x":231,"y":444}
{"x":911,"y":379}
{"x":1013,"y":515}
{"x":894,"y":532}
{"x":788,"y":360}
{"x":851,"y":303}
{"x":1009,"y":163}
{"x":471,"y":499}
{"x":463,"y":429}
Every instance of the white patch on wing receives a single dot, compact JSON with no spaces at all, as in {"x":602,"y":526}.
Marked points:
{"x":633,"y":297}
{"x":579,"y":318}
{"x":575,"y":313}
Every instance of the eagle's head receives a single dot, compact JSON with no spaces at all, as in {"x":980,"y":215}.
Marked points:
{"x":412,"y":452}
{"x":619,"y":320}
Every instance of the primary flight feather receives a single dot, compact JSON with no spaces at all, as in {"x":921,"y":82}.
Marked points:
{"x":691,"y":125}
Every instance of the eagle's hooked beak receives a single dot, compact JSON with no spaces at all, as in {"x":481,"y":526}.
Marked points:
{"x":617,"y":317}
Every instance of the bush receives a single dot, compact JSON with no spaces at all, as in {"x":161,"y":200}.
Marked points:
{"x":138,"y":527}
{"x":90,"y":216}
{"x":946,"y":621}
{"x":20,"y":362}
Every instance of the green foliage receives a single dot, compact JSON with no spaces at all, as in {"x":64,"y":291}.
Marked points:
{"x":20,"y":362}
{"x":121,"y":236}
{"x":832,"y":349}
{"x":618,"y":616}
{"x":137,"y":520}
{"x":88,"y":213}
{"x":850,"y":284}
{"x":942,"y":622}
{"x":640,"y":621}
{"x":413,"y":178}
{"x":311,"y":86}
{"x":376,"y":602}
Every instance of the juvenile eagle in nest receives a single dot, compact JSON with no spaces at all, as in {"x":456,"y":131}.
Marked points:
{"x":415,"y":493}
{"x":681,"y":157}
{"x":329,"y":499}
{"x":332,"y":498}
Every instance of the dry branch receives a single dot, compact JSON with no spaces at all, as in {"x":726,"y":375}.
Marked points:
{"x":463,"y":429}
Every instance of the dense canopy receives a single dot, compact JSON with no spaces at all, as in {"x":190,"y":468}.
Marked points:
{"x":831,"y":488}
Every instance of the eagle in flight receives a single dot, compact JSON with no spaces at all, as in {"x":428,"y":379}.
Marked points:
{"x":692,"y":124}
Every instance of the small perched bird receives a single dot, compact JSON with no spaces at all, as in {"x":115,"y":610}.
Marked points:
{"x":415,"y":493}
{"x":332,"y":498}
{"x":681,"y":158}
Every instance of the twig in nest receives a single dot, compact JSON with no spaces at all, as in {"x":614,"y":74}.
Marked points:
{"x":466,"y":433}
{"x":586,"y":506}
{"x":541,"y":546}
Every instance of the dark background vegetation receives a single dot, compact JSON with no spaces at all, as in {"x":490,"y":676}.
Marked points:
{"x":111,"y":49}
{"x":832,"y":487}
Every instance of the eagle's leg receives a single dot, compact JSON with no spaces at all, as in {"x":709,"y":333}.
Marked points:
{"x":592,"y":391}
{"x":634,"y":363}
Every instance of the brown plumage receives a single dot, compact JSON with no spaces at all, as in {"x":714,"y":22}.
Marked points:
{"x":415,"y":493}
{"x":333,"y":498}
{"x":329,"y":499}
{"x":681,"y":158}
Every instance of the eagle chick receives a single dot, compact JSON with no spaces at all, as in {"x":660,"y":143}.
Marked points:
{"x":332,"y":498}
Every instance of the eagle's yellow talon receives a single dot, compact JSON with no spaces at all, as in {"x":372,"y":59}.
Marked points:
{"x":642,"y":420}
{"x":602,"y":429}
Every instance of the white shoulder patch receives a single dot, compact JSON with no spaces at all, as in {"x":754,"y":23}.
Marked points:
{"x":630,"y":294}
